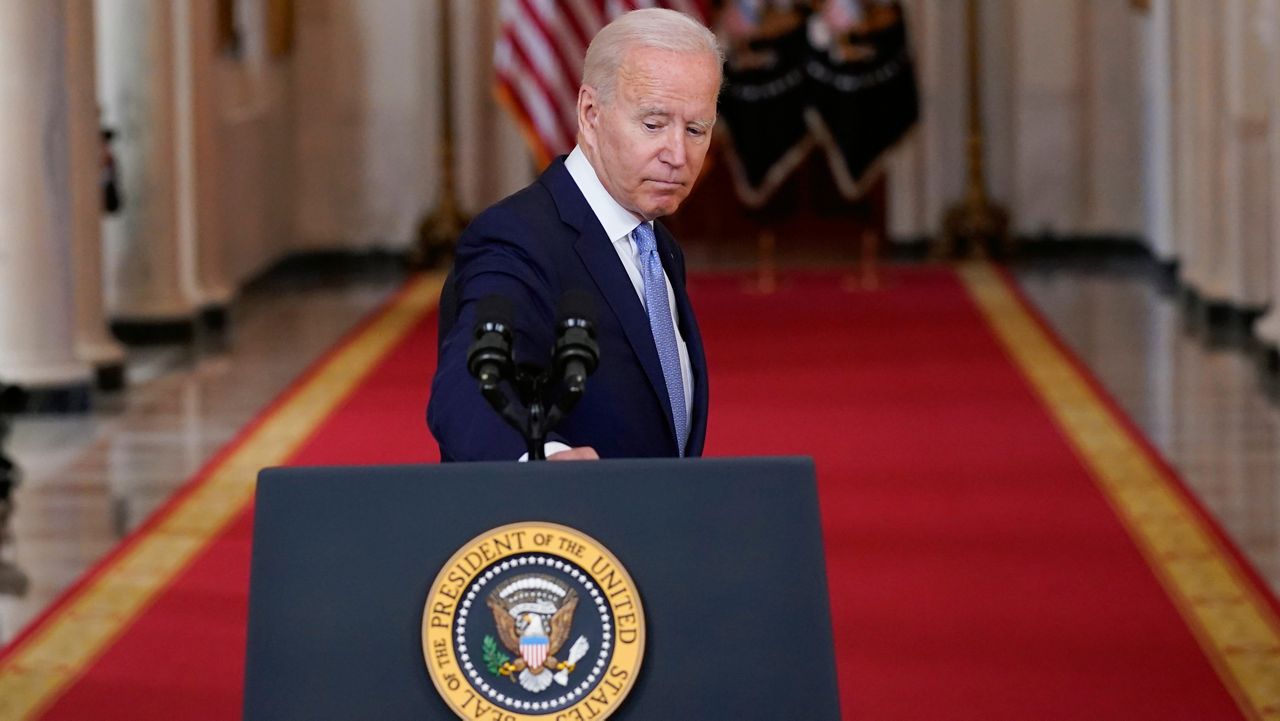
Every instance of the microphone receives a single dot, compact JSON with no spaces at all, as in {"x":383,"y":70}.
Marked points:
{"x":576,"y":352}
{"x":489,"y":357}
{"x":575,"y":356}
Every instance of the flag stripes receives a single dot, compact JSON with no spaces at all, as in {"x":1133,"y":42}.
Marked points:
{"x":538,"y":61}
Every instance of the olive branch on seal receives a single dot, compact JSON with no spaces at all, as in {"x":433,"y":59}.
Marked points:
{"x":493,"y":658}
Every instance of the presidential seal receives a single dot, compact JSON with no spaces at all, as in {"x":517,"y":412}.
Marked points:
{"x":533,"y":621}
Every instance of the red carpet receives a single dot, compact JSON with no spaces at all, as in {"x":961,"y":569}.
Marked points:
{"x":983,"y":563}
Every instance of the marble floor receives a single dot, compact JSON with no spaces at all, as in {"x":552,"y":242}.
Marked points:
{"x":1197,"y":394}
{"x":89,"y":479}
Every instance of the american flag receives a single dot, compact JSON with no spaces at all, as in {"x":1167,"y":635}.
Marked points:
{"x":538,"y":61}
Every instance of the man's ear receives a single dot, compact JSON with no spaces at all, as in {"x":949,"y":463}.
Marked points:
{"x":588,"y":112}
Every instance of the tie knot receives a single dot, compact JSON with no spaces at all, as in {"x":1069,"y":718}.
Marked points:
{"x":645,"y":241}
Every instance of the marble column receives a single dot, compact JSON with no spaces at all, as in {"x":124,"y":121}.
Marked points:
{"x":196,"y":128}
{"x":1110,"y":77}
{"x":1240,"y":279}
{"x":257,"y":139}
{"x":905,"y":214}
{"x":1200,"y":175}
{"x":1158,"y":160}
{"x":997,"y":21}
{"x":1268,"y":327}
{"x":94,"y":345}
{"x":1049,"y":117}
{"x":37,"y":314}
{"x":905,"y":217}
{"x":939,"y":146}
{"x":1184,"y":185}
{"x":149,"y":293}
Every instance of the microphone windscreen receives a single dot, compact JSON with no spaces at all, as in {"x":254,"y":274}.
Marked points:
{"x":577,"y":305}
{"x":495,"y":309}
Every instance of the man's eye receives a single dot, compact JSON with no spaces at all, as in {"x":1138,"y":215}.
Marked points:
{"x":652,"y":126}
{"x":696,"y":132}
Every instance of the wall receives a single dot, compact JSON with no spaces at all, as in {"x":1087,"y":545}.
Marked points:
{"x":1062,"y":112}
{"x":368,"y":121}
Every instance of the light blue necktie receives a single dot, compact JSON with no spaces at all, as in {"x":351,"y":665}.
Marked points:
{"x":664,"y":333}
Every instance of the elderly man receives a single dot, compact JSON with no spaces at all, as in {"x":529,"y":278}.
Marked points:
{"x":645,"y":113}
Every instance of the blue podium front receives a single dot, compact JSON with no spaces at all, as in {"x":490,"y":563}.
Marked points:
{"x":627,"y":589}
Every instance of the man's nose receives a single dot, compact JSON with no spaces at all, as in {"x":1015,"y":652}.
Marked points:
{"x":673,"y":148}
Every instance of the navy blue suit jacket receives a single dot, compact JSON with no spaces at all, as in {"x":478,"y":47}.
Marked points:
{"x":532,"y":247}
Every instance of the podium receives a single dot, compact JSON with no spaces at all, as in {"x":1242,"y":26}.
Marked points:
{"x":726,"y":556}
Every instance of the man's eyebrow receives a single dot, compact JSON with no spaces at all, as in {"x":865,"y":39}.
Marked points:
{"x":651,"y":110}
{"x":647,"y":110}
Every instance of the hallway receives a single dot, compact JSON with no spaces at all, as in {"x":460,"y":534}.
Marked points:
{"x":88,"y":480}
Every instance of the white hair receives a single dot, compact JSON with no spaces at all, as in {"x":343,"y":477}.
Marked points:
{"x":646,"y":28}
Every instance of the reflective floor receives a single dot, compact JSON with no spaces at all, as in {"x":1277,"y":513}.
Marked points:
{"x":88,"y":480}
{"x":1200,"y":400}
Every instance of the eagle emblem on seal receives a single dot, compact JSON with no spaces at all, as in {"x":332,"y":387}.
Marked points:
{"x":533,"y":614}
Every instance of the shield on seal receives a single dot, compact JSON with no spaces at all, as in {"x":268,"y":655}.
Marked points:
{"x":533,"y":649}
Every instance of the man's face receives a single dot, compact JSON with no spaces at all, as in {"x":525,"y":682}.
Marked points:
{"x":648,"y":143}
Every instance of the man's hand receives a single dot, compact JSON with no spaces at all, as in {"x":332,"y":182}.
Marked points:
{"x":581,"y":453}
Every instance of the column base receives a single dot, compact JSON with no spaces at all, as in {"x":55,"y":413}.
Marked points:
{"x":68,"y":398}
{"x":1166,"y":275}
{"x":109,"y":377}
{"x":166,"y":331}
{"x":107,"y":358}
{"x":215,"y":318}
{"x":1191,"y":309}
{"x":1231,"y":324}
{"x":13,"y":582}
{"x":1219,"y":323}
{"x":1269,"y":359}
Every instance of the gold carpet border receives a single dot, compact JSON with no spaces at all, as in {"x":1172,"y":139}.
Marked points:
{"x":69,"y":640}
{"x":1235,"y":626}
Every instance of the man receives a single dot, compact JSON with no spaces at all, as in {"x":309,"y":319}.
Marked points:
{"x":645,"y":113}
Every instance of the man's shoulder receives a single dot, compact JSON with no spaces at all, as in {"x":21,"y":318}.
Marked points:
{"x":531,"y":204}
{"x":534,"y":205}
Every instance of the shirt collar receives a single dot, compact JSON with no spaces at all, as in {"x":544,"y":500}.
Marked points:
{"x":617,"y":221}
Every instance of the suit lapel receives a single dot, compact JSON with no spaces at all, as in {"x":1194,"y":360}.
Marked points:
{"x":606,"y":270}
{"x":598,"y":255}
